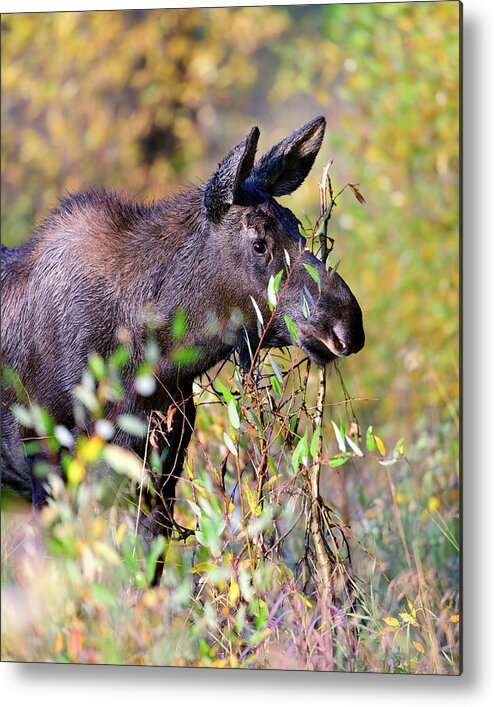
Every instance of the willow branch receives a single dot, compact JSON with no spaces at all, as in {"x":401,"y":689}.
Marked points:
{"x":323,"y":555}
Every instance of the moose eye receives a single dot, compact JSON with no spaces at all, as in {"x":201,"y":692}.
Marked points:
{"x":259,"y":247}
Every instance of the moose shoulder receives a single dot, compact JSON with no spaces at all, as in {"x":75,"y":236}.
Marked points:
{"x":102,"y":264}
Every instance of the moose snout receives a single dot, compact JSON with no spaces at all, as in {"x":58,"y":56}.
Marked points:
{"x":344,"y":339}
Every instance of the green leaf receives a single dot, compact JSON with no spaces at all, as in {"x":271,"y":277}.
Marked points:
{"x":400,"y":447}
{"x":354,"y":447}
{"x":202,"y":539}
{"x":361,"y":495}
{"x":369,"y":439}
{"x":315,"y":439}
{"x":152,"y":352}
{"x":233,"y":414}
{"x":277,"y":281}
{"x":120,"y":356}
{"x":132,"y":425}
{"x":314,"y":274}
{"x":124,"y":461}
{"x":275,"y":384}
{"x":185,"y":355}
{"x":335,"y":268}
{"x":258,"y":637}
{"x":229,"y":444}
{"x":227,"y":394}
{"x":195,"y":508}
{"x":275,"y":368}
{"x":305,"y":307}
{"x":292,"y":327}
{"x":102,"y":595}
{"x":23,"y":415}
{"x":301,"y":452}
{"x":337,"y":461}
{"x":63,"y":436}
{"x":287,"y":259}
{"x":271,"y":294}
{"x":260,"y":613}
{"x":257,"y":423}
{"x":258,"y":311}
{"x":339,"y":437}
{"x":43,"y":421}
{"x":273,"y":467}
{"x":96,"y":365}
{"x":178,"y":327}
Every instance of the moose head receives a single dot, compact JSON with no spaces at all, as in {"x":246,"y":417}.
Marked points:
{"x":249,"y":238}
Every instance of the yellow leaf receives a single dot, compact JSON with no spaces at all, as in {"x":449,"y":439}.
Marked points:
{"x":99,"y":527}
{"x":408,"y":619}
{"x":305,"y":600}
{"x":58,"y":642}
{"x":433,"y":504}
{"x":120,"y":533}
{"x":91,"y":449}
{"x":106,"y":552}
{"x":391,"y":621}
{"x":419,"y":647}
{"x":204,"y":567}
{"x":411,"y":608}
{"x":189,"y":470}
{"x":455,"y":618}
{"x":250,"y":498}
{"x":380,"y":445}
{"x":233,"y":592}
{"x":76,"y":472}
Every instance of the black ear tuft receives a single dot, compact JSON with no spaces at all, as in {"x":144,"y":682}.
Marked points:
{"x":285,"y":166}
{"x":223,"y":187}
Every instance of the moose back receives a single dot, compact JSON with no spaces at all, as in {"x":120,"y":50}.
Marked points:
{"x":101,"y":263}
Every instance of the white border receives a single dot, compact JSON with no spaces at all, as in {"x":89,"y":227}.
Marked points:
{"x":77,"y":685}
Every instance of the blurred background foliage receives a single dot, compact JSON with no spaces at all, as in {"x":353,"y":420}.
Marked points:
{"x":150,"y":101}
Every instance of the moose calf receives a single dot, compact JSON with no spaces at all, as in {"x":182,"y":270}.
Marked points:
{"x":100,"y":263}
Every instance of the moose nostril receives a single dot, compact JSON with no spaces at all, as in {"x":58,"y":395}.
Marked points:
{"x":342,"y":340}
{"x":339,"y":340}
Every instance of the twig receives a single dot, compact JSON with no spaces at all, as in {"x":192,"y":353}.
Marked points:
{"x":323,"y":557}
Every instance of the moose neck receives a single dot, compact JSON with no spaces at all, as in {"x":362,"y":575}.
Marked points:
{"x":185,"y":284}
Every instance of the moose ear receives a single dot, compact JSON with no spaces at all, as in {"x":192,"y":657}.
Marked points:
{"x":223,"y":187}
{"x":285,"y":166}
